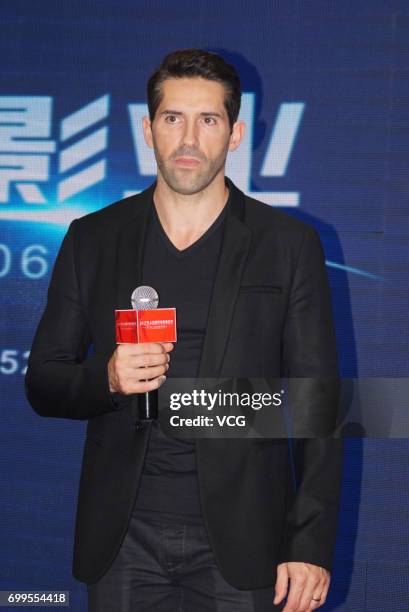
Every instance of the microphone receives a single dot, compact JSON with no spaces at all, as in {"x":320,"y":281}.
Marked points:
{"x":146,"y":298}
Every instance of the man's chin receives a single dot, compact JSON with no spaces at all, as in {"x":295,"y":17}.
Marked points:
{"x":188,"y":186}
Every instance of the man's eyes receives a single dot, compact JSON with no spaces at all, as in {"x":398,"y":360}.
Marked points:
{"x":209,"y":120}
{"x":172,"y":118}
{"x":176,"y":119}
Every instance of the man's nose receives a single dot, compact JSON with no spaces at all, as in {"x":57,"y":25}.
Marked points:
{"x":190,"y":134}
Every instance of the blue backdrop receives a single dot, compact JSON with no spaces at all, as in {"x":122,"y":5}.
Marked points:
{"x":326,"y":100}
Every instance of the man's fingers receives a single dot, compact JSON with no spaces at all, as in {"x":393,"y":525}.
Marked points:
{"x":321,"y":592}
{"x":142,"y":374}
{"x":312,"y":589}
{"x":281,"y":584}
{"x":144,"y":347}
{"x":297,"y":585}
{"x":307,"y":582}
{"x":150,"y":385}
{"x":127,"y":378}
{"x":144,"y":386}
{"x":168,"y":346}
{"x":324,"y":593}
{"x":131,"y":364}
{"x":146,"y":360}
{"x":153,"y":354}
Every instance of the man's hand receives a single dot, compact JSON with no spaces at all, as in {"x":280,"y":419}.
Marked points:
{"x":137,"y":368}
{"x":308,"y":584}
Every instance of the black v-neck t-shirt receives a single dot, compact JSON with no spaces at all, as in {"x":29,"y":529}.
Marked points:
{"x":183,"y":279}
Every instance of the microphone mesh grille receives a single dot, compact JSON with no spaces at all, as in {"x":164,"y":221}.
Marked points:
{"x":144,"y":298}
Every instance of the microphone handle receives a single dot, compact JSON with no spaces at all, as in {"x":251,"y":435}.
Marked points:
{"x":148,"y":405}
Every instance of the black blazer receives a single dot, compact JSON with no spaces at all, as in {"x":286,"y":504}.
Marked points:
{"x":270,"y":316}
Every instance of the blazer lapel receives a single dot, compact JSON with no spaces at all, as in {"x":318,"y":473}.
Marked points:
{"x":131,"y":240}
{"x":235,"y":248}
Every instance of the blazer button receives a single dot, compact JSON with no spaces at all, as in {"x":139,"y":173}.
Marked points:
{"x":138,"y":426}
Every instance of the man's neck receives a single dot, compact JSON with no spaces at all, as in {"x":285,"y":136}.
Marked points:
{"x":185,"y":218}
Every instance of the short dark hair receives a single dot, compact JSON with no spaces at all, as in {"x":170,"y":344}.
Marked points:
{"x":186,"y":63}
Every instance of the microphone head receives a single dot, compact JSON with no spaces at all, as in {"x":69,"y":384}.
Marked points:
{"x":144,"y":298}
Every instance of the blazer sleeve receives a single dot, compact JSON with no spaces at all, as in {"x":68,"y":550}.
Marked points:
{"x":309,"y":352}
{"x":61,"y":381}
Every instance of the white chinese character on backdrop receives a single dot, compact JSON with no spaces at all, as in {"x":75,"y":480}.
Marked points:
{"x":25,"y":146}
{"x":81,"y":142}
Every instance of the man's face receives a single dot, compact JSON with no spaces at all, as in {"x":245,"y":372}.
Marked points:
{"x":191,"y":134}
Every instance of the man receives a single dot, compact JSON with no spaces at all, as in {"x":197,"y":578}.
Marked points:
{"x":165,"y":523}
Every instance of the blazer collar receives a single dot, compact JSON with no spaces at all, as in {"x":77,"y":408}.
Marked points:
{"x":235,"y":248}
{"x":233,"y":256}
{"x":130,"y":245}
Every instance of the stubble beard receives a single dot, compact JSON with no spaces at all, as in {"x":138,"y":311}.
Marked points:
{"x":189,"y":181}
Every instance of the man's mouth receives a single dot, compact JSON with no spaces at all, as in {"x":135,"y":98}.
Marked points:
{"x":187,"y":162}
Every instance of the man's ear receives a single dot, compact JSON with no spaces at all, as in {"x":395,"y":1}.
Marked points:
{"x":237,"y":135}
{"x":147,"y":131}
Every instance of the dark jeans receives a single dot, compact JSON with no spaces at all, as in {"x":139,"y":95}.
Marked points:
{"x":168,"y":566}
